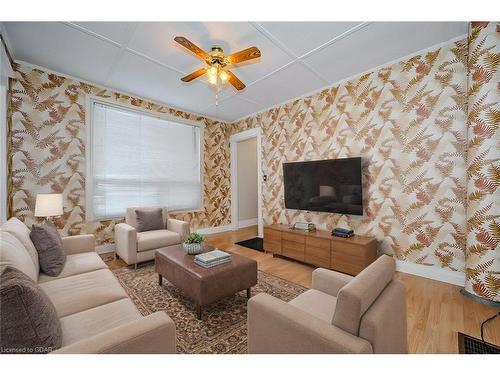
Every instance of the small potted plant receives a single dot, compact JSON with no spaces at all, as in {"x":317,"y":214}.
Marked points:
{"x":194,"y":243}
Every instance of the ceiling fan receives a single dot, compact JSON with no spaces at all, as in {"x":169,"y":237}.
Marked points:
{"x":217,"y":63}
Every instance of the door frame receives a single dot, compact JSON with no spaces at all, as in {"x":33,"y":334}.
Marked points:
{"x":233,"y":145}
{"x":6,"y":72}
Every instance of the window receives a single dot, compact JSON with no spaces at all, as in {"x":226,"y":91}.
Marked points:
{"x":139,"y":160}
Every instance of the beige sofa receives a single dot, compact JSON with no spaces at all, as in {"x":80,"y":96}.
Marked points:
{"x":135,"y":247}
{"x":340,"y":314}
{"x":95,"y":312}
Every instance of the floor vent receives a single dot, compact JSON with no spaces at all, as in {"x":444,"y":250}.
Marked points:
{"x":470,"y":345}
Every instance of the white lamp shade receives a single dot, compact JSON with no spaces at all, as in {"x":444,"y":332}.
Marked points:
{"x":49,"y":205}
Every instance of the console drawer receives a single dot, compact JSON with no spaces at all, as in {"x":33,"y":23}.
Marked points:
{"x":272,"y":246}
{"x":317,"y":252}
{"x":272,"y":241}
{"x":351,"y":264}
{"x":351,"y":249}
{"x":292,"y":249}
{"x":292,"y":237}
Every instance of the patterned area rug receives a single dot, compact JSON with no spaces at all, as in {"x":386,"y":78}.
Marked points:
{"x":108,"y":257}
{"x":223,"y":327}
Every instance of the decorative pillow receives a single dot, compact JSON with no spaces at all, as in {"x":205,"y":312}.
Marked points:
{"x":19,"y":230}
{"x":28,"y":319}
{"x":149,"y":219}
{"x":14,"y":254}
{"x":49,"y":245}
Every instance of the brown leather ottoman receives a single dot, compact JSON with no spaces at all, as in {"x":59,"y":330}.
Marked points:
{"x":205,"y":285}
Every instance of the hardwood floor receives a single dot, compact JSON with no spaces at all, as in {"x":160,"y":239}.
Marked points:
{"x":436,"y":311}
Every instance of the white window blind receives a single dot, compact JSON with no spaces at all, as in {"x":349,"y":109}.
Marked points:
{"x":139,"y":160}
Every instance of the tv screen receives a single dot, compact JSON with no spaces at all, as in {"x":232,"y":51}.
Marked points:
{"x":332,"y":185}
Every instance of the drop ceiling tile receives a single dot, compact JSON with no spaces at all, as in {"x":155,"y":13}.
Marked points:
{"x":62,"y":48}
{"x":156,"y":40}
{"x":289,"y":83}
{"x":232,"y":109}
{"x":302,"y":37}
{"x":118,"y":32}
{"x":380,"y":43}
{"x":134,"y":74}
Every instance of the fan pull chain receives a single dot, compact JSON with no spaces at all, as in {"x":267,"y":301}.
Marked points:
{"x":217,"y":93}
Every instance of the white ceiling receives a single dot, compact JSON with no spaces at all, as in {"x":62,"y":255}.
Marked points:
{"x":141,"y":58}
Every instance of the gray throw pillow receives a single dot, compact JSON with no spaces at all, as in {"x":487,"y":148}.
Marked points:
{"x":49,"y":245}
{"x":28,"y":319}
{"x":149,"y":219}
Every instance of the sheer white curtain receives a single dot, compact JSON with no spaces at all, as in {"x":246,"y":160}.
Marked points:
{"x":141,"y":160}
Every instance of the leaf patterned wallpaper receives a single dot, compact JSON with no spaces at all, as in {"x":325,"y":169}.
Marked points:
{"x":483,"y":162}
{"x":47,"y":142}
{"x":428,"y":133}
{"x":426,"y":129}
{"x":408,"y":122}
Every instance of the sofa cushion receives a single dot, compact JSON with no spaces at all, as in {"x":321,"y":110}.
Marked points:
{"x":73,"y":294}
{"x":91,"y":322}
{"x":77,"y":264}
{"x":28,"y":319}
{"x":155,"y":239}
{"x":316,"y":303}
{"x":17,"y":228}
{"x":131,"y":219}
{"x":358,"y":295}
{"x":13,"y":253}
{"x":149,"y":219}
{"x":50,"y":249}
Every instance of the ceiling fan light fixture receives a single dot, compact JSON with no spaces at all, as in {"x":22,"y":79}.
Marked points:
{"x":212,"y":79}
{"x":212,"y":71}
{"x":216,"y":74}
{"x":223,"y":76}
{"x":212,"y":74}
{"x":217,"y":61}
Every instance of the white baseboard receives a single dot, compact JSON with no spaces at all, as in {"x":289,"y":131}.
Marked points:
{"x":212,"y":230}
{"x":107,"y":248}
{"x":430,"y":272}
{"x":247,"y":223}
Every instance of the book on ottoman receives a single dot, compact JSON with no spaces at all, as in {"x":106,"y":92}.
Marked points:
{"x":212,"y":258}
{"x":212,"y":264}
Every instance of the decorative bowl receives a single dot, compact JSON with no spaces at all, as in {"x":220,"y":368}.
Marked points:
{"x":193,"y":248}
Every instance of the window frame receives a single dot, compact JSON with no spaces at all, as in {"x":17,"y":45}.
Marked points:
{"x":91,"y":100}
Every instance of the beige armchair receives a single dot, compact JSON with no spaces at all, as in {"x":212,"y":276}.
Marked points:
{"x":340,"y":314}
{"x":135,"y":247}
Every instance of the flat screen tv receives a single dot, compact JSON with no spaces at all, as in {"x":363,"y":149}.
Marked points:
{"x":332,"y":185}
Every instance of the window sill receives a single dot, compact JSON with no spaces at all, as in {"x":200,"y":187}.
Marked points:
{"x":97,"y":220}
{"x":186,"y":211}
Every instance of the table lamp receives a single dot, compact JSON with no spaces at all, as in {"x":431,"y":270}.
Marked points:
{"x":48,"y":205}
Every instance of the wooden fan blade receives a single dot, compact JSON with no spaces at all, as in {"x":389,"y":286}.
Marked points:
{"x":235,"y":81}
{"x":194,"y":75}
{"x":244,"y":55}
{"x":192,"y":47}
